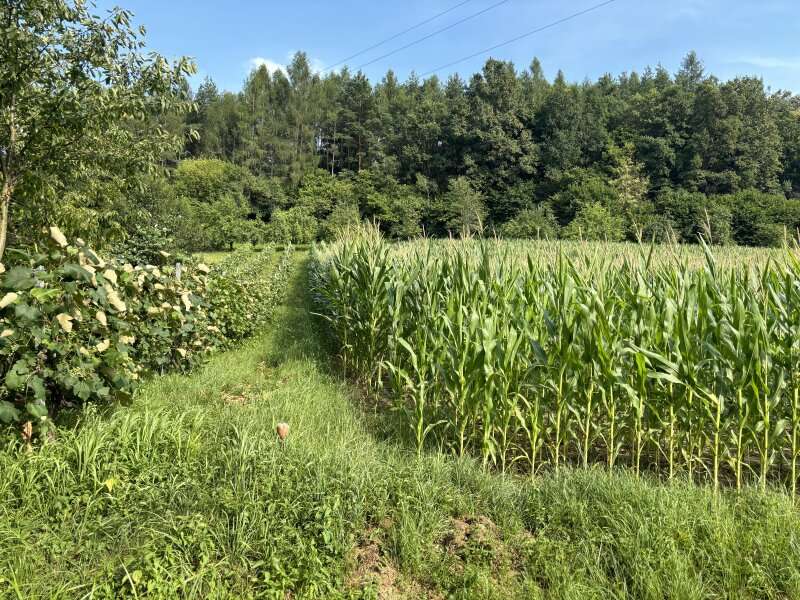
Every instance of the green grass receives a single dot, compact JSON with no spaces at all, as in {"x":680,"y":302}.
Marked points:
{"x":187,"y":493}
{"x":212,"y":258}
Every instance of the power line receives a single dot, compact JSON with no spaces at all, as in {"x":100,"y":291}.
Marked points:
{"x":430,"y":35}
{"x":397,"y":35}
{"x":519,"y":37}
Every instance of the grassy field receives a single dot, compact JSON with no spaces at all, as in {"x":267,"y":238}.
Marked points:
{"x":188,"y":493}
{"x":213,"y":258}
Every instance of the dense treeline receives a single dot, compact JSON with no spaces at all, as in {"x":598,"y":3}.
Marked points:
{"x":634,"y":156}
{"x":294,"y":155}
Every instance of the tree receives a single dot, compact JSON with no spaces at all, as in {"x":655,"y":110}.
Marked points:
{"x":538,"y":223}
{"x":294,"y":226}
{"x":463,"y":207}
{"x":594,"y":222}
{"x":631,"y":187}
{"x":66,"y":79}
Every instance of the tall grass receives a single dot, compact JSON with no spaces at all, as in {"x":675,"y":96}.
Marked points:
{"x":612,"y":354}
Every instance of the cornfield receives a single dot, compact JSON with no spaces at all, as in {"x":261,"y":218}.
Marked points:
{"x":640,"y":358}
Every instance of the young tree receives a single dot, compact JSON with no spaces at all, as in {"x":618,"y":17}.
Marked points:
{"x":464,"y":208}
{"x":537,"y":223}
{"x":594,"y":222}
{"x":631,"y":186}
{"x":66,"y":78}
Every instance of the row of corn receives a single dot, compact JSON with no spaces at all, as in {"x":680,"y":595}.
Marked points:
{"x":658,"y":366}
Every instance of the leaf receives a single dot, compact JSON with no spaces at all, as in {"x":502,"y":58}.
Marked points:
{"x":36,"y":384}
{"x":36,"y":409}
{"x":19,"y":279}
{"x":8,"y":299}
{"x":26,"y":311}
{"x":17,"y":376}
{"x":8,"y":412}
{"x":65,"y":321}
{"x":58,"y":237}
{"x":82,"y":390}
{"x":43,"y":295}
{"x":76,"y":273}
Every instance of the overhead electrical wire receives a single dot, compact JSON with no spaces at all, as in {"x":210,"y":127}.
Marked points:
{"x":519,"y":37}
{"x":397,"y":35}
{"x":435,"y":33}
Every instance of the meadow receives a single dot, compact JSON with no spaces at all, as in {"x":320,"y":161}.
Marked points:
{"x":681,"y":361}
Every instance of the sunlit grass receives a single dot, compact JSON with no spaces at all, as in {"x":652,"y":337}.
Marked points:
{"x":188,"y":493}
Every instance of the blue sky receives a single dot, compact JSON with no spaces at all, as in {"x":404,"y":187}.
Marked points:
{"x":732,"y":37}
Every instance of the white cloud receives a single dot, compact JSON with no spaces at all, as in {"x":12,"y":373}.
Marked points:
{"x":771,"y":62}
{"x":317,"y":66}
{"x":271,"y":65}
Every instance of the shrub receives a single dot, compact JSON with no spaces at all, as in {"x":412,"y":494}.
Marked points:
{"x":209,"y":179}
{"x":596,"y":223}
{"x":242,"y":296}
{"x":292,"y":226}
{"x":693,"y":214}
{"x":343,"y":216}
{"x":760,"y":219}
{"x":537,"y":223}
{"x":144,"y":245}
{"x":75,"y":328}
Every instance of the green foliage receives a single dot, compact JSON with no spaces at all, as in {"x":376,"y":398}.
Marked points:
{"x":78,"y":329}
{"x":762,"y":219}
{"x":594,"y":222}
{"x":145,"y":244}
{"x":581,"y":188}
{"x":265,"y":194}
{"x":80,"y":102}
{"x":537,"y":223}
{"x":341,"y":218}
{"x":242,"y":297}
{"x":209,"y":180}
{"x":321,"y":192}
{"x":581,"y":352}
{"x":439,"y":526}
{"x":205,"y":502}
{"x":292,"y":226}
{"x":463,"y":208}
{"x":521,"y":140}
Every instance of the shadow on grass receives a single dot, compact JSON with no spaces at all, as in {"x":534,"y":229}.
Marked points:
{"x":300,"y":334}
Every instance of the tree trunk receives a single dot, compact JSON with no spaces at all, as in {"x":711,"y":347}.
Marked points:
{"x":5,"y":201}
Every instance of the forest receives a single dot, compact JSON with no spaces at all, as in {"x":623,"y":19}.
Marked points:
{"x":294,"y":156}
{"x":628,"y":156}
{"x":509,"y":152}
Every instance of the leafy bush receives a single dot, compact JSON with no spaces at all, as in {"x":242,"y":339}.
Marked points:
{"x":75,"y":328}
{"x":762,"y":219}
{"x":292,"y":226}
{"x":144,"y":245}
{"x":537,"y":223}
{"x":242,"y":298}
{"x":209,"y":179}
{"x":343,"y":216}
{"x":594,"y":222}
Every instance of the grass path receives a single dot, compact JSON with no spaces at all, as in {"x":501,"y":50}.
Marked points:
{"x":188,"y":493}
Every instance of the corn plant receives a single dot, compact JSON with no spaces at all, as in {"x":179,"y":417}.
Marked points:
{"x":674,"y":360}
